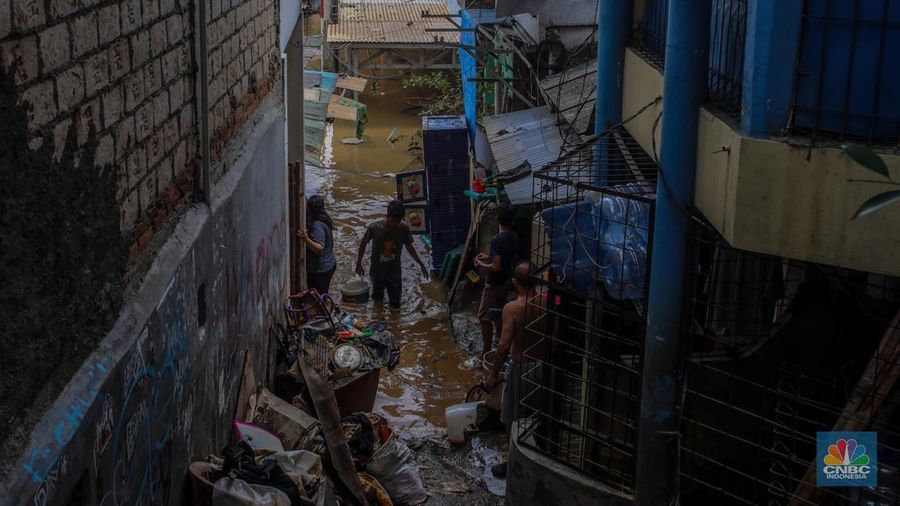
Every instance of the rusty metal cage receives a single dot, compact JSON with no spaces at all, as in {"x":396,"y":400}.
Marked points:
{"x":591,"y":246}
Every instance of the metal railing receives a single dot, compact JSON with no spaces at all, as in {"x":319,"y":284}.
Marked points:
{"x":728,"y":33}
{"x":650,"y":39}
{"x":585,"y":334}
{"x":780,"y":350}
{"x":847,"y":71}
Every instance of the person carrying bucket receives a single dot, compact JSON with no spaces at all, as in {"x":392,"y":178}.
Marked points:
{"x":387,"y":237}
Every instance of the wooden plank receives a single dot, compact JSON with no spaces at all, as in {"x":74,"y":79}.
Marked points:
{"x":352,"y":83}
{"x":326,"y":408}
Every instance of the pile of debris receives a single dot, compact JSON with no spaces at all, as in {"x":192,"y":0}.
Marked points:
{"x":299,"y":444}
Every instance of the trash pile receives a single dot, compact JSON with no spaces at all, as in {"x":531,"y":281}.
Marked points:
{"x":291,"y":445}
{"x":336,"y":343}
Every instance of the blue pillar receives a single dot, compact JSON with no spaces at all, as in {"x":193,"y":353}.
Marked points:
{"x":773,"y":36}
{"x":613,"y":26}
{"x":684,"y":90}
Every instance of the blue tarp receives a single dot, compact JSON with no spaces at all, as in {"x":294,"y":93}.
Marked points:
{"x":602,"y":239}
{"x":468,"y":66}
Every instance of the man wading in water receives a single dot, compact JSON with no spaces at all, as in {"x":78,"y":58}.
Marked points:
{"x":387,"y":237}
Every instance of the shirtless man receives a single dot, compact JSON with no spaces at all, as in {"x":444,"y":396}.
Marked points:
{"x":511,"y":342}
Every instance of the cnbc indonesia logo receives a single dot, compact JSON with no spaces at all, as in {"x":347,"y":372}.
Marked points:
{"x":846,"y":460}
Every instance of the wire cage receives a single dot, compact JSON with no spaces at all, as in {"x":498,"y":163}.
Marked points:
{"x":778,"y":351}
{"x":592,"y":245}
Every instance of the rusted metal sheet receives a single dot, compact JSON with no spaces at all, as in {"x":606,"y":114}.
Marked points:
{"x":390,"y":21}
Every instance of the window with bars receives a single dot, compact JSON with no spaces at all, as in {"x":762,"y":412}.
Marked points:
{"x":727,"y":36}
{"x":779,"y":350}
{"x":847,"y":73}
{"x":650,"y":39}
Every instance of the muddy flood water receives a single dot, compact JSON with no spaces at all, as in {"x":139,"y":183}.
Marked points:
{"x":357,"y":182}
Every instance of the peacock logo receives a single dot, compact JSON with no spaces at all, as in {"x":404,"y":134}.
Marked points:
{"x":846,"y":452}
{"x":847,"y":459}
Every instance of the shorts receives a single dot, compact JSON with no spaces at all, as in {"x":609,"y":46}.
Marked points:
{"x":492,"y":297}
{"x":394,"y":286}
{"x":512,"y":394}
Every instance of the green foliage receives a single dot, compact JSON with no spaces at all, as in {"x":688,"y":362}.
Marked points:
{"x":872,"y":161}
{"x":877,"y":202}
{"x":444,"y":92}
{"x":867,"y":159}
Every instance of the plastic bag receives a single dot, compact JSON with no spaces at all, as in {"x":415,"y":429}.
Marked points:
{"x":394,"y":466}
{"x":301,"y":466}
{"x":233,"y":492}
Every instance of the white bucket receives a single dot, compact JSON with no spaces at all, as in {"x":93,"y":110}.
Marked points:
{"x":460,"y":417}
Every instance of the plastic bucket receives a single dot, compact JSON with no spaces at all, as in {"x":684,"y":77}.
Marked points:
{"x":355,"y":291}
{"x":487,"y":361}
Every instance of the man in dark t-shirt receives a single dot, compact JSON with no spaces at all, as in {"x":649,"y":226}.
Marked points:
{"x":499,"y":265}
{"x":388,"y":237}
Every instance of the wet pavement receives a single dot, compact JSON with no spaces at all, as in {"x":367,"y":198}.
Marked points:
{"x":357,"y":183}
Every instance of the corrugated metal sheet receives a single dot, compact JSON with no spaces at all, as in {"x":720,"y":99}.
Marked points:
{"x":390,"y":21}
{"x":533,"y":135}
{"x":574,"y":92}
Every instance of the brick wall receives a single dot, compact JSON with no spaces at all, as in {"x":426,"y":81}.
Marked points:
{"x":243,"y":66}
{"x":127,"y":69}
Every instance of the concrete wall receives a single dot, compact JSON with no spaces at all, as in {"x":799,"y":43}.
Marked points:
{"x":533,"y":478}
{"x":161,"y":389}
{"x":641,"y":84}
{"x":766,"y":196}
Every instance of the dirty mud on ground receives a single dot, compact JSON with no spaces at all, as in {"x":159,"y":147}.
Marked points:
{"x":357,"y":182}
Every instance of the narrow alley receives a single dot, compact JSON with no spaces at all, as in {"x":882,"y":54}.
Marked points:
{"x":357,"y":182}
{"x":449,"y":252}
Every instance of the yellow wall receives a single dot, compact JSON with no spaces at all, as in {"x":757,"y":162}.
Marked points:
{"x":766,"y":196}
{"x":763,"y":195}
{"x":641,"y":84}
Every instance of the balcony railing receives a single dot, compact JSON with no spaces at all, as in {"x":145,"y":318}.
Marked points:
{"x":847,"y":74}
{"x":650,"y":40}
{"x":780,"y":350}
{"x":728,"y":32}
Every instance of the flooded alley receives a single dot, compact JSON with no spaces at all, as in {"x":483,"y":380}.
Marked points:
{"x":357,"y":182}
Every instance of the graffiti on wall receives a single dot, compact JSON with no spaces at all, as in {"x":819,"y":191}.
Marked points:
{"x":132,"y":427}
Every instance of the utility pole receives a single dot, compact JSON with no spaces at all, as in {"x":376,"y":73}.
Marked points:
{"x":684,"y":90}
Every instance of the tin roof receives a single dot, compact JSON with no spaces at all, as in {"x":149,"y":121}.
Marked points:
{"x":574,"y":92}
{"x":390,"y":22}
{"x":535,"y":135}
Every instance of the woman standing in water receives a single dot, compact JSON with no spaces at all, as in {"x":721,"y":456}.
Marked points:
{"x":320,"y":260}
